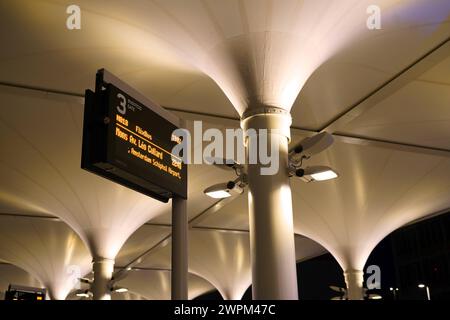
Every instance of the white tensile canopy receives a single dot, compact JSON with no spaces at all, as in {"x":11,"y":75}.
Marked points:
{"x":383,"y":94}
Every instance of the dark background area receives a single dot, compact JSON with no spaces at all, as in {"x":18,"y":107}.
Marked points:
{"x":414,"y":254}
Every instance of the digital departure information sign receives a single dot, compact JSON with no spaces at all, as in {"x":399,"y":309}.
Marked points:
{"x":128,"y":139}
{"x":16,"y":292}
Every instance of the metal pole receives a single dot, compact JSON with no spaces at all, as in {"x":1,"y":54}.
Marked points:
{"x":179,"y":249}
{"x":428,"y":293}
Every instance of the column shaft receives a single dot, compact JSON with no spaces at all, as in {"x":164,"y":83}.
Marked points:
{"x":103,"y":270}
{"x":354,"y":280}
{"x":271,"y":217}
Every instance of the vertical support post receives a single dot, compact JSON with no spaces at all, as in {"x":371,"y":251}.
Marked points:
{"x":272,"y":245}
{"x":354,"y":280}
{"x":103,"y":269}
{"x":179,"y":275}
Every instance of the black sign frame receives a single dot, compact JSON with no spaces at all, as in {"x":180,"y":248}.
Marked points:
{"x":100,"y":146}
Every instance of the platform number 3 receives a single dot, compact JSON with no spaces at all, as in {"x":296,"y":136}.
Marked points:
{"x":122,"y":107}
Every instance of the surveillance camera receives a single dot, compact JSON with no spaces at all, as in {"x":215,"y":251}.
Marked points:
{"x":312,"y":145}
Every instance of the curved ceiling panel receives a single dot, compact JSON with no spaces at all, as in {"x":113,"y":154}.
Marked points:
{"x":417,"y":113}
{"x":262,"y":52}
{"x":143,"y":239}
{"x":46,"y":54}
{"x":233,"y":215}
{"x":257,"y":51}
{"x":228,"y":263}
{"x":363,"y":66}
{"x":223,"y":258}
{"x":219,"y":257}
{"x":378,"y":191}
{"x":49,"y":250}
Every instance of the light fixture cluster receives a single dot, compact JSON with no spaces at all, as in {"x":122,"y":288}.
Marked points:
{"x":119,"y":289}
{"x":302,"y":151}
{"x":83,"y":294}
{"x":230,"y":188}
{"x":224,"y":190}
{"x":87,"y":293}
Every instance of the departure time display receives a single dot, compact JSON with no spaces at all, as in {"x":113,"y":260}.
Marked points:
{"x":131,"y":144}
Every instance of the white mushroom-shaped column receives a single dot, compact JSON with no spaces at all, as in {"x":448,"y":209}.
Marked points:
{"x":261,"y":54}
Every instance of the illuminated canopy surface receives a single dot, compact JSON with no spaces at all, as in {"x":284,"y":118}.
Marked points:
{"x":315,"y":58}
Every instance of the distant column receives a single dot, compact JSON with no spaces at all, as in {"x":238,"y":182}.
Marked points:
{"x":354,"y":280}
{"x":103,"y":270}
